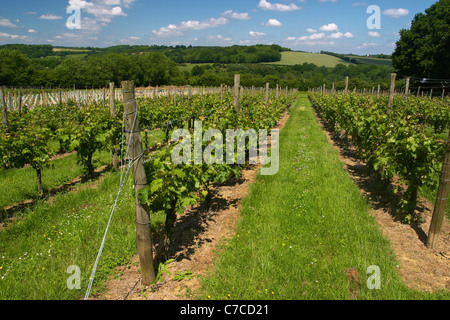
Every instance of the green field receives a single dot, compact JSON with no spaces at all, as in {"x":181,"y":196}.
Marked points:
{"x":290,"y":58}
{"x":373,"y":61}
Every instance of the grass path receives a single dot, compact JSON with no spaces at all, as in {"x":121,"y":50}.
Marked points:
{"x":305,"y":233}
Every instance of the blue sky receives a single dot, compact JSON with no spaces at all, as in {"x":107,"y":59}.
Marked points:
{"x":308,"y":25}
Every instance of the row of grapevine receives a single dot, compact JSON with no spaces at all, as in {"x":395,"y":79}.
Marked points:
{"x":172,"y":187}
{"x":31,"y":136}
{"x":404,"y":140}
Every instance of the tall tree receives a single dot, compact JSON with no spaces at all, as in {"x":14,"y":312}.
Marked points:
{"x":423,"y":50}
{"x":14,"y":68}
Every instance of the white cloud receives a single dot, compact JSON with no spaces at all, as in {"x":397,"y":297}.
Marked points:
{"x":366,"y":45}
{"x":256,"y":34}
{"x":179,"y":29}
{"x":103,"y":11}
{"x":348,"y":35}
{"x":319,"y":43}
{"x":302,"y":38}
{"x":234,"y":15}
{"x":50,"y":16}
{"x":219,"y":37}
{"x":396,"y":13}
{"x":374,"y":34}
{"x":32,"y":31}
{"x":336,"y":35}
{"x":360,"y":4}
{"x":329,"y":27}
{"x":273,"y":23}
{"x":6,"y":23}
{"x":265,"y":5}
{"x":135,"y":38}
{"x":311,"y":30}
{"x":12,"y":36}
{"x":316,"y":36}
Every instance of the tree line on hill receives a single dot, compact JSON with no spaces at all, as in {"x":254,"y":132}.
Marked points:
{"x":157,"y":69}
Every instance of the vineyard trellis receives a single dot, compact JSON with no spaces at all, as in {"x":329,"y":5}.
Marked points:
{"x":87,"y":126}
{"x":172,"y":188}
{"x":396,"y":134}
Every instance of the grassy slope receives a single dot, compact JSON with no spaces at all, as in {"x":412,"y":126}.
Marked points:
{"x":292,"y":58}
{"x":302,"y":228}
{"x":373,"y":61}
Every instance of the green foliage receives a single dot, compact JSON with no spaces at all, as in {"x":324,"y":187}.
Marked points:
{"x":14,"y":68}
{"x":91,"y":133}
{"x":172,"y":187}
{"x":422,"y":51}
{"x":27,"y":143}
{"x":234,"y":54}
{"x":404,"y":142}
{"x":157,"y":66}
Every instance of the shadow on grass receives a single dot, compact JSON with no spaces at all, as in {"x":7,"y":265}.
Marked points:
{"x":9,"y":213}
{"x":186,"y":236}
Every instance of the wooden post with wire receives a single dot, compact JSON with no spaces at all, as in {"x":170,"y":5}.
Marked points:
{"x":407,"y":87}
{"x":392,"y":91}
{"x":441,"y":200}
{"x":237,"y":87}
{"x":4,"y":109}
{"x":112,"y":107}
{"x":135,"y":152}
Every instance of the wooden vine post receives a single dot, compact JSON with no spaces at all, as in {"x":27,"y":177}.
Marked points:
{"x":112,"y":106}
{"x":4,"y":110}
{"x":237,"y":87}
{"x":135,"y":151}
{"x":407,"y":87}
{"x":441,"y":200}
{"x":392,"y":91}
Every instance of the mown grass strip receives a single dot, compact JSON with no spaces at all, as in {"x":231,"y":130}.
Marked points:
{"x":305,"y":233}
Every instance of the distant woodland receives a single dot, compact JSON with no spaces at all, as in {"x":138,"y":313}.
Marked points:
{"x":47,"y":66}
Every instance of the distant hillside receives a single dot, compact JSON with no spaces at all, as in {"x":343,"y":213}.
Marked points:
{"x":179,"y":54}
{"x":321,"y":60}
{"x":372,"y":61}
{"x":273,"y":54}
{"x":378,"y":60}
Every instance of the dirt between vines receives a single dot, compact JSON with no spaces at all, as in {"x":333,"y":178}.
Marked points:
{"x":200,"y":233}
